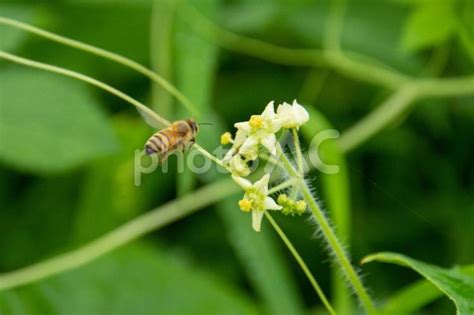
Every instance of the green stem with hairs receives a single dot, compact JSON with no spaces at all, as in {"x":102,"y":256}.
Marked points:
{"x":330,"y":237}
{"x":302,"y":264}
{"x":299,"y":154}
{"x":122,"y":235}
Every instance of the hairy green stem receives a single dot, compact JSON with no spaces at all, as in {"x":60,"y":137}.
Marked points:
{"x":302,"y":264}
{"x":107,"y":55}
{"x":122,"y":235}
{"x":299,"y":154}
{"x":330,"y":237}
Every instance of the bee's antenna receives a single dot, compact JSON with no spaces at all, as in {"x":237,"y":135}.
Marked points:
{"x":205,"y":123}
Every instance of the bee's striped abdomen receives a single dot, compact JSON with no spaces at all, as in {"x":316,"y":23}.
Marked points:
{"x":155,"y":144}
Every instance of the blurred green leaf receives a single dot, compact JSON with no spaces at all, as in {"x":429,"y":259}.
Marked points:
{"x":195,"y":66}
{"x":162,"y":20}
{"x":415,"y":296}
{"x":48,"y":123}
{"x":262,"y":260}
{"x":466,"y":27}
{"x":457,"y":286}
{"x":37,"y":224}
{"x":430,"y":24}
{"x":109,"y":196}
{"x":10,"y":37}
{"x":161,"y":284}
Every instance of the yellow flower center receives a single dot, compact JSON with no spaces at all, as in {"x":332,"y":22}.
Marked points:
{"x":245,"y":205}
{"x":226,"y":138}
{"x":256,"y":122}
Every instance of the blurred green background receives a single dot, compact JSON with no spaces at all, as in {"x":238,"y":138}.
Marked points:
{"x":67,"y":149}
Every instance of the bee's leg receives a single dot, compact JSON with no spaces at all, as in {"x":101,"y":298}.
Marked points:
{"x":191,"y":143}
{"x":163,"y":157}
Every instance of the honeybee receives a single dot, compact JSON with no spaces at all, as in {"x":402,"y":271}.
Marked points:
{"x":178,"y":136}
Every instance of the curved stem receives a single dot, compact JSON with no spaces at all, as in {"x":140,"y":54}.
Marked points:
{"x":302,"y":264}
{"x":360,"y":70}
{"x":84,"y":78}
{"x":122,"y":235}
{"x":398,"y":103}
{"x":105,"y":54}
{"x":108,"y":88}
{"x":331,"y":238}
{"x":210,"y":156}
{"x":333,"y":29}
{"x":368,"y":126}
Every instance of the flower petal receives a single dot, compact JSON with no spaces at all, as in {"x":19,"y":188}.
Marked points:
{"x":242,"y":182}
{"x":269,"y":111}
{"x":244,"y":126}
{"x":239,"y":167}
{"x":270,"y":204}
{"x":240,"y":137}
{"x":262,"y":183}
{"x":301,"y":114}
{"x":257,"y":219}
{"x":249,"y":145}
{"x":269,"y":142}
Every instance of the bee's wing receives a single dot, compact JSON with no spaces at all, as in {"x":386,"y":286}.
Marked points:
{"x":149,"y":118}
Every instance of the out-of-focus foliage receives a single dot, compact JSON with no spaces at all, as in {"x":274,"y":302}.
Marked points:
{"x":52,"y":124}
{"x":66,"y":172}
{"x":136,"y":279}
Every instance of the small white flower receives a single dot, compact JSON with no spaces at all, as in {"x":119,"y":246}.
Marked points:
{"x":260,"y":129}
{"x":249,"y":153}
{"x":239,"y":166}
{"x":256,"y":199}
{"x":292,"y":116}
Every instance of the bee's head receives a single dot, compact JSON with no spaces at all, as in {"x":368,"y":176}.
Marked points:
{"x":194,"y":126}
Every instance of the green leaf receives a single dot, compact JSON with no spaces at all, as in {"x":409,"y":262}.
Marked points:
{"x":430,"y":24}
{"x":49,"y":124}
{"x":417,"y":295}
{"x":134,"y":280}
{"x":457,"y":286}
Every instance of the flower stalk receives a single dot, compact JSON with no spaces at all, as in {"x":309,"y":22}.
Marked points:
{"x":330,"y":237}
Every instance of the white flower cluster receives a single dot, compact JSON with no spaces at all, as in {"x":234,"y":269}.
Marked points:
{"x":259,"y":131}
